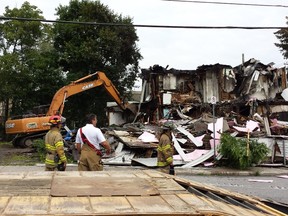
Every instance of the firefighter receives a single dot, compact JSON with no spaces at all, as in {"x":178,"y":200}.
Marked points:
{"x":89,"y":141}
{"x":165,"y":150}
{"x":55,"y":157}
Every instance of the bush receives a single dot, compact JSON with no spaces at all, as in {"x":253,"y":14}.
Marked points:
{"x":236,"y":154}
{"x":39,"y":145}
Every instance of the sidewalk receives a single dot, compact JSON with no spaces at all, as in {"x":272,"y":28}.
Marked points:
{"x":253,"y":171}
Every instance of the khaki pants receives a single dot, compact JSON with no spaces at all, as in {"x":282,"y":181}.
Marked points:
{"x":89,"y":160}
{"x":50,"y":167}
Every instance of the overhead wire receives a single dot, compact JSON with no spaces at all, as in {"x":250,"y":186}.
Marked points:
{"x":165,"y":26}
{"x":142,"y":25}
{"x":228,"y":3}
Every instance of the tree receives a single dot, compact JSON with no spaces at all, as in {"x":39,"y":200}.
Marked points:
{"x":28,"y":69}
{"x":85,"y":49}
{"x":282,"y":36}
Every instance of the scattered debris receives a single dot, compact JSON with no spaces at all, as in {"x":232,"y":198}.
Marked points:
{"x":283,"y":176}
{"x":251,"y":102}
{"x":260,"y":180}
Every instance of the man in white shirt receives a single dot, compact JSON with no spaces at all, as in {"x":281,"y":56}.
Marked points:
{"x":88,"y":141}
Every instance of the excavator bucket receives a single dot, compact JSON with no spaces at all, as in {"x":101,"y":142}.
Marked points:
{"x":133,"y":108}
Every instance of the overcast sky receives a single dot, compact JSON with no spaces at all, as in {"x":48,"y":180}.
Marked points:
{"x":190,"y":48}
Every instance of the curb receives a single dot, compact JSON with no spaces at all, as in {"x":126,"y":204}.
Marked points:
{"x":204,"y":171}
{"x":256,"y":171}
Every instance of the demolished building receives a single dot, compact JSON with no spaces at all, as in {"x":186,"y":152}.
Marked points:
{"x":249,"y":98}
{"x":241,"y":87}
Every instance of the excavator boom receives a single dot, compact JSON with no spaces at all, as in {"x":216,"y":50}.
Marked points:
{"x":81,"y":85}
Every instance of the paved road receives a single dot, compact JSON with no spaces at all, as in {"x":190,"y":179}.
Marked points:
{"x":266,"y":187}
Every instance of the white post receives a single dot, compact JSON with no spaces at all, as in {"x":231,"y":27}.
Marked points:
{"x":213,"y":101}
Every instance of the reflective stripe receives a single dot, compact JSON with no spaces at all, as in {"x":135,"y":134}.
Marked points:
{"x":59,"y":144}
{"x":50,"y":147}
{"x":165,"y":163}
{"x":63,"y":158}
{"x":169,"y":160}
{"x":162,"y":164}
{"x":164,"y":148}
{"x":50,"y":162}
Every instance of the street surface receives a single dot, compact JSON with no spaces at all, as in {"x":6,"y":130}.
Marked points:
{"x":266,"y":187}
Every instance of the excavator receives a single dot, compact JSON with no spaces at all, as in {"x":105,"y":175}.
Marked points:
{"x":30,"y":127}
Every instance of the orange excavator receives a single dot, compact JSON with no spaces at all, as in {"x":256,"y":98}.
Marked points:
{"x":33,"y":126}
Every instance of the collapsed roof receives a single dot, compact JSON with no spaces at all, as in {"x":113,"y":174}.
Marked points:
{"x":248,"y":95}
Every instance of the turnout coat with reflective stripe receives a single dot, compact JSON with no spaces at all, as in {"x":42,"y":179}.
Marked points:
{"x":54,"y":145}
{"x":164,"y":151}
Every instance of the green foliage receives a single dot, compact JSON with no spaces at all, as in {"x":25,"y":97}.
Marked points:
{"x":4,"y":143}
{"x":236,"y":154}
{"x":28,"y":61}
{"x":39,"y":145}
{"x":38,"y":59}
{"x":85,"y":49}
{"x":258,"y":151}
{"x":282,"y":36}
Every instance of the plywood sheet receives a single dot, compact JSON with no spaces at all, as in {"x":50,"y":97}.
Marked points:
{"x":111,"y":205}
{"x":166,"y":184}
{"x":3,"y":202}
{"x":27,"y":205}
{"x":25,"y":187}
{"x":101,"y":186}
{"x":68,"y":206}
{"x":134,"y":142}
{"x":178,"y":204}
{"x":198,"y":202}
{"x":148,"y":205}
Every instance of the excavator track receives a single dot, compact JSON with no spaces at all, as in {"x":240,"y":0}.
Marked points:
{"x":25,"y":141}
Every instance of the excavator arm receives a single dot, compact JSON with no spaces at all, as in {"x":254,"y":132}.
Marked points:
{"x":80,"y":85}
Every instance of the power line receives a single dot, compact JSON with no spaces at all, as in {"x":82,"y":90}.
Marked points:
{"x":143,"y":26}
{"x":228,"y":3}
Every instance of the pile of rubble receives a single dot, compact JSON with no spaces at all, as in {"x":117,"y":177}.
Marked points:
{"x":248,"y":101}
{"x":193,"y":140}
